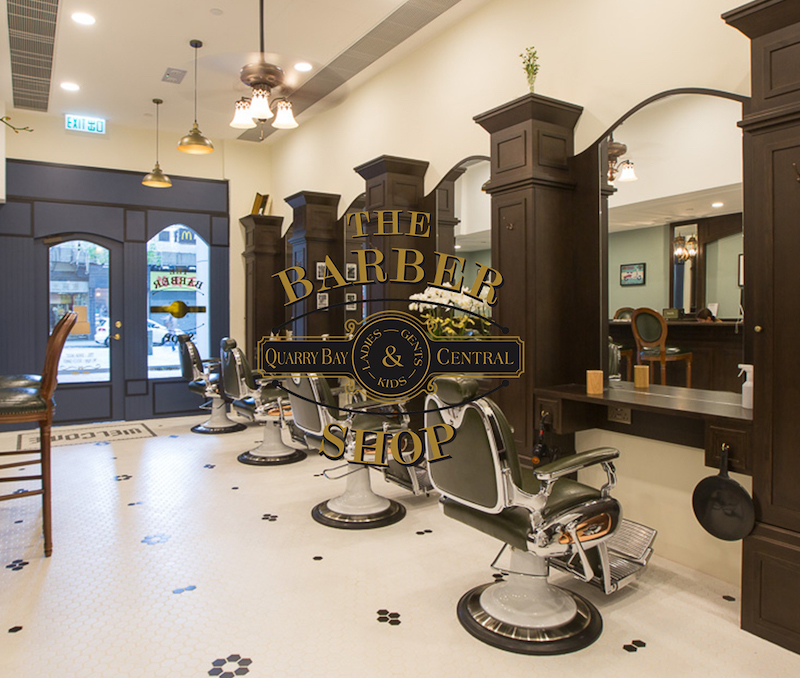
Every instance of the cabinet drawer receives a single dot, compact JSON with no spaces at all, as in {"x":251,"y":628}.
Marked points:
{"x":737,"y":438}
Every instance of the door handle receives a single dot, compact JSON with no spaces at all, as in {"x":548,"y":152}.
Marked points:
{"x":117,"y":336}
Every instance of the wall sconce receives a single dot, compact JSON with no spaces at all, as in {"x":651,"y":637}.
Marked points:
{"x":619,"y":170}
{"x":684,"y":248}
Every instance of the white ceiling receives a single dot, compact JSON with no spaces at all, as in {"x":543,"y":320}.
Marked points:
{"x":119,"y":62}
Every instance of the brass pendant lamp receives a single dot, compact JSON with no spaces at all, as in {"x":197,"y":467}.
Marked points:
{"x":194,"y":142}
{"x":156,"y":178}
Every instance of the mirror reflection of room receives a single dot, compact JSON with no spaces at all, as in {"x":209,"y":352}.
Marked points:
{"x":473,"y":211}
{"x":675,"y":233}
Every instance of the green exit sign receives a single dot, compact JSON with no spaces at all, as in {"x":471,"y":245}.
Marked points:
{"x":80,"y":123}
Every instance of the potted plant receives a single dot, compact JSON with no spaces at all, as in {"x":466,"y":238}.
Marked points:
{"x":530,"y":62}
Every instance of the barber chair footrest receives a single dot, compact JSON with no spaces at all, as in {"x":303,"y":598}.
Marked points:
{"x":324,"y":515}
{"x":576,"y":634}
{"x":290,"y":457}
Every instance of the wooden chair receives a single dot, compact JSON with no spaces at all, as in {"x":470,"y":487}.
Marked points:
{"x":650,"y":332}
{"x":626,"y":352}
{"x":33,"y":401}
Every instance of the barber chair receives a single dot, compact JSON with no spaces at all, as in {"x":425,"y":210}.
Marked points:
{"x":540,"y":516}
{"x":203,"y":377}
{"x":258,"y":401}
{"x":359,"y":507}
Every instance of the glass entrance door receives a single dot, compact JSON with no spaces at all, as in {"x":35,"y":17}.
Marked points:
{"x":84,"y":277}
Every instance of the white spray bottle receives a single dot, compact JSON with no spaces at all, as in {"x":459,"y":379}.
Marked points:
{"x":747,"y":386}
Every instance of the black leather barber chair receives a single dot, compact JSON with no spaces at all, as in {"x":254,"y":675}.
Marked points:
{"x":203,"y":377}
{"x":258,"y":401}
{"x":359,"y":507}
{"x":539,"y":515}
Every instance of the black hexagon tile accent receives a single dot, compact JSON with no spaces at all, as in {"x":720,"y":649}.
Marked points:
{"x":317,"y":558}
{"x":232,"y":665}
{"x":16,"y":565}
{"x":15,"y":629}
{"x":639,"y":643}
{"x":124,"y":476}
{"x":269,"y":516}
{"x":210,"y":466}
{"x":730,"y":599}
{"x":17,"y":522}
{"x":154,"y":539}
{"x":392,"y":618}
{"x":629,"y":648}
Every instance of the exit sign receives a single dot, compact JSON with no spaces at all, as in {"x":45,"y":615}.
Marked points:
{"x":80,"y":123}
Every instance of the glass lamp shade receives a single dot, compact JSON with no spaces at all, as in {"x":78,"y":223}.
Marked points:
{"x":242,"y":118}
{"x":626,"y":172}
{"x":679,"y":248}
{"x":259,"y":105}
{"x":284,"y":118}
{"x":691,"y":246}
{"x":195,"y":143}
{"x":157,"y":179}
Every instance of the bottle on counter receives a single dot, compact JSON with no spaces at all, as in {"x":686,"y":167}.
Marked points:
{"x":747,"y":386}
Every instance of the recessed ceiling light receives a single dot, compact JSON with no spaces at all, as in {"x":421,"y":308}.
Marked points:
{"x":458,"y":247}
{"x":717,"y":204}
{"x":70,"y":86}
{"x":83,"y":18}
{"x":216,"y":11}
{"x":303,"y":66}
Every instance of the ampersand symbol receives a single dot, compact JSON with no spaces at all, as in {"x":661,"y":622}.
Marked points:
{"x":391,"y":359}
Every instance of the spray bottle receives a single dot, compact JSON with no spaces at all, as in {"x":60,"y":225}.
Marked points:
{"x":747,"y":386}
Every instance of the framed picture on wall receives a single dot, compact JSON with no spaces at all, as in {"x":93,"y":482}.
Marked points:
{"x":351,"y":299}
{"x":322,"y":300}
{"x":320,"y":270}
{"x":632,"y":274}
{"x":741,"y":270}
{"x":350,"y":272}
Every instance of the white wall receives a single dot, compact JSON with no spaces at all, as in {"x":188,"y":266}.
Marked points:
{"x":422,"y":106}
{"x":722,"y":275}
{"x":243,"y":163}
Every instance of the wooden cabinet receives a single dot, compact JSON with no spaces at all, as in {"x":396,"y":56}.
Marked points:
{"x":771,"y":126}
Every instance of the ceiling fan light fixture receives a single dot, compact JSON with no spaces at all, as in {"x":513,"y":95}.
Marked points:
{"x":242,"y":118}
{"x":284,"y":118}
{"x":259,"y":104}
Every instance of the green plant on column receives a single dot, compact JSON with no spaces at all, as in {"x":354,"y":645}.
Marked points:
{"x":530,"y":62}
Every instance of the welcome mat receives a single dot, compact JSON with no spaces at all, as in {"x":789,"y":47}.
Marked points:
{"x":76,"y":435}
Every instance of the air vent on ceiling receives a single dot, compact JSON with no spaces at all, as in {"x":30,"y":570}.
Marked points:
{"x":31,"y":34}
{"x":173,"y":75}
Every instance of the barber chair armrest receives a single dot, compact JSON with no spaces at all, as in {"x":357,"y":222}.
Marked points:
{"x":574,"y":462}
{"x":210,"y":361}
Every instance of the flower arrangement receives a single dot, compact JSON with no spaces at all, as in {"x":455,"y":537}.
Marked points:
{"x":449,"y":322}
{"x":530,"y":63}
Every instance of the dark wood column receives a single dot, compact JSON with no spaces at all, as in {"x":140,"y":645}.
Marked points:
{"x":549,"y":257}
{"x":264,"y":296}
{"x":771,"y":142}
{"x":314,"y":235}
{"x":396,"y":184}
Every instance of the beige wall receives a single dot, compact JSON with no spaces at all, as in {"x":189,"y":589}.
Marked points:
{"x":243,"y":164}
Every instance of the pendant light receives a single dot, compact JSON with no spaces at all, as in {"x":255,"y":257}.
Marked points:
{"x":156,"y":178}
{"x":194,"y":142}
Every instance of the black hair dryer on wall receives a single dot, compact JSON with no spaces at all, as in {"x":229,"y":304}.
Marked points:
{"x":542,"y":453}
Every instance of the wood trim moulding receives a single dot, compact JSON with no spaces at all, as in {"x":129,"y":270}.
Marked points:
{"x":530,"y":107}
{"x":760,"y":17}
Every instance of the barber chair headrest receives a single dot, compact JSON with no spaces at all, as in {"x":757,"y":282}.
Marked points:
{"x":227,"y":344}
{"x":455,"y":390}
{"x":184,"y":338}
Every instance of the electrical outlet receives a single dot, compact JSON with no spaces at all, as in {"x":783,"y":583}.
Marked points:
{"x":622,"y":415}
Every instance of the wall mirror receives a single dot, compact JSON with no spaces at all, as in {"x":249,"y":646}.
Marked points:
{"x":674,"y":234}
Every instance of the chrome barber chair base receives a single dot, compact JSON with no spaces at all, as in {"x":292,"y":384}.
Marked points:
{"x":273,"y":460}
{"x":218,"y":422}
{"x":577,"y":633}
{"x":324,"y":515}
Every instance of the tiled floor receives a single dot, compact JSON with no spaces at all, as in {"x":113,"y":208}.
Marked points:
{"x":171,"y":559}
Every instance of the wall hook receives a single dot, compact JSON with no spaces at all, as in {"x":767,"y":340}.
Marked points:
{"x":5,"y":119}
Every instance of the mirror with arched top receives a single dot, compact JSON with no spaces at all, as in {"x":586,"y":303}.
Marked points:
{"x":677,"y":227}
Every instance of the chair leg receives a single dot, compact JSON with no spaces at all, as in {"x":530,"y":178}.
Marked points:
{"x":689,"y":373}
{"x":664,"y":373}
{"x":44,"y":441}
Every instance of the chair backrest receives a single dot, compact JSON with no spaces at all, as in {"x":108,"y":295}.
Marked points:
{"x":483,"y":447}
{"x":191,"y":363}
{"x":624,"y":313}
{"x":649,"y":329}
{"x":315,"y":407}
{"x":237,"y":376}
{"x":55,"y":345}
